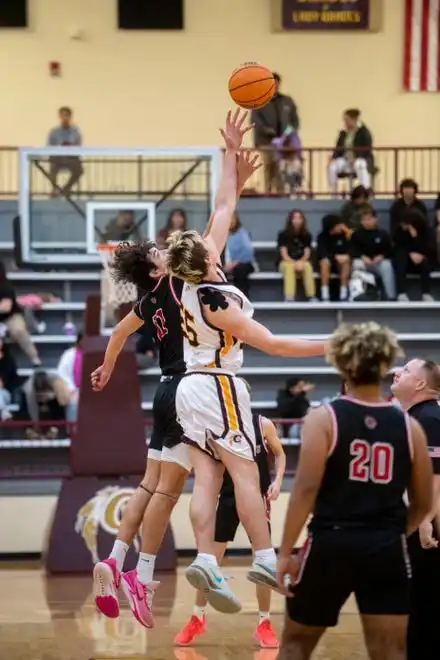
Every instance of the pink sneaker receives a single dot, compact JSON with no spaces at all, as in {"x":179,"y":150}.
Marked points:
{"x":106,"y":578}
{"x":140,"y":597}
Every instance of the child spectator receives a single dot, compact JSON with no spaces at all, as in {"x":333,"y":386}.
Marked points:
{"x":333,"y":255}
{"x":370,"y":248}
{"x":294,"y":246}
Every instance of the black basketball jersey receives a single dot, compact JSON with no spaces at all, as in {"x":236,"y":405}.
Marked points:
{"x":368,"y":469}
{"x":261,"y":459}
{"x":160,"y":311}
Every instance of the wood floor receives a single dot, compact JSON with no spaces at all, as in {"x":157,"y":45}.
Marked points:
{"x":55,"y":619}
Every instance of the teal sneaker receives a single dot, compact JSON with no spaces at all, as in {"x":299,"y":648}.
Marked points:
{"x":209,"y":579}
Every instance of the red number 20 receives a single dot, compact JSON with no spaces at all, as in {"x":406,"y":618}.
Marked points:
{"x":371,"y":462}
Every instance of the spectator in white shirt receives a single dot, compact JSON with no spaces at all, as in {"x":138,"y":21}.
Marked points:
{"x":70,"y":370}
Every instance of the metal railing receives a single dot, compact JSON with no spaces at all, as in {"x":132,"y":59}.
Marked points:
{"x":144,"y":177}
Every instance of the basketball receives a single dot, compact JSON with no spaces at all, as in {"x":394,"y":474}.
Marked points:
{"x":252,"y":85}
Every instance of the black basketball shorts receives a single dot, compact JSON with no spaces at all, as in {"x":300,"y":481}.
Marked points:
{"x":227,"y":520}
{"x":166,"y":432}
{"x":374,"y":565}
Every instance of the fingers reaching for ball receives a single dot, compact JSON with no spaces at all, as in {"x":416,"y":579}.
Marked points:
{"x":234,"y":130}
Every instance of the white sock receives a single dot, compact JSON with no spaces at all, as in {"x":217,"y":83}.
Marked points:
{"x":343,"y":293}
{"x":267,"y":556}
{"x":118,"y":553}
{"x":325,"y":294}
{"x":145,"y":567}
{"x":264,"y":616}
{"x":199,"y":612}
{"x":211,"y":559}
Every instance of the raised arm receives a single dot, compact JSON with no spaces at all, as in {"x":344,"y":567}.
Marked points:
{"x":119,"y":336}
{"x":225,"y":315}
{"x":226,"y":197}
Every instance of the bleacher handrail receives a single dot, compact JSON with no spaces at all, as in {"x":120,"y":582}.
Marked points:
{"x":393,"y":163}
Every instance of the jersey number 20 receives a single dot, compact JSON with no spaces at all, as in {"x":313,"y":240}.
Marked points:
{"x":371,"y":462}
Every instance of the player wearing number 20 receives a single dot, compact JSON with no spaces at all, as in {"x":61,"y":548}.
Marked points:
{"x":359,"y":456}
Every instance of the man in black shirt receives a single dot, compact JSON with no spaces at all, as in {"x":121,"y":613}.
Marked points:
{"x":333,"y":255}
{"x":412,"y":247}
{"x":417,"y":388}
{"x":370,"y":248}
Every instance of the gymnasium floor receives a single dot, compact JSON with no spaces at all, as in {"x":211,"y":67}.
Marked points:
{"x":55,"y":619}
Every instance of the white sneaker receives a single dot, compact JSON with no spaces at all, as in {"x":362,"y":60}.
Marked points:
{"x":402,"y":297}
{"x":209,"y":579}
{"x":427,"y":298}
{"x":263,"y":574}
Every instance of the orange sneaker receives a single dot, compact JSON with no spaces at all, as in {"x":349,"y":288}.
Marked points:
{"x":193,"y":629}
{"x":265,"y":635}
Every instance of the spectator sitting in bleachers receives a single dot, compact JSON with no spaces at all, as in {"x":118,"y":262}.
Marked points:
{"x":294,"y":247}
{"x":240,"y":255}
{"x":44,"y":398}
{"x":408,"y":201}
{"x":370,"y":248}
{"x":351,"y":211}
{"x":8,"y":369}
{"x":353,"y":152}
{"x":293,"y":403}
{"x":176,"y":221}
{"x":70,"y":370}
{"x":122,"y":228}
{"x":412,"y":247}
{"x":333,"y":255}
{"x":12,"y":318}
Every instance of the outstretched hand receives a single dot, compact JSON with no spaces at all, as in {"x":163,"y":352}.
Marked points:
{"x":234,"y":132}
{"x":248,"y":162}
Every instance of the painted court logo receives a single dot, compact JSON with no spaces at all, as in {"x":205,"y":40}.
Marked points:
{"x":102,"y":511}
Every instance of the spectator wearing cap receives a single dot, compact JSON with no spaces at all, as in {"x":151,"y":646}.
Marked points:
{"x":353,"y":153}
{"x":407,"y":201}
{"x":293,"y":403}
{"x":276,"y":119}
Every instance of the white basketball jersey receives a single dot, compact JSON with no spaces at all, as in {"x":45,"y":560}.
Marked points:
{"x":207,"y":348}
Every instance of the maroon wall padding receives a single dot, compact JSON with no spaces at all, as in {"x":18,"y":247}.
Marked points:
{"x":85,"y":524}
{"x":109,"y":438}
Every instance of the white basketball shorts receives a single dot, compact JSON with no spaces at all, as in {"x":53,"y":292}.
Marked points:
{"x":215,"y":410}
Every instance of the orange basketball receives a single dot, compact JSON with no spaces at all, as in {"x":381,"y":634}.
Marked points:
{"x":252,"y":85}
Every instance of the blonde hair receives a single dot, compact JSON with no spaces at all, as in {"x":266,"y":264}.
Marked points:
{"x":187,"y":256}
{"x":363,"y":353}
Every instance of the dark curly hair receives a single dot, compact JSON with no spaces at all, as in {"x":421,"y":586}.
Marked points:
{"x":132,"y":263}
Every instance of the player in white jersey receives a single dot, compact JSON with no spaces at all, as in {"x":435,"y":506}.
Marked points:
{"x":213,"y":406}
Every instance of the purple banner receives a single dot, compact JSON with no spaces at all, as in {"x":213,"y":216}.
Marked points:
{"x":326,"y":14}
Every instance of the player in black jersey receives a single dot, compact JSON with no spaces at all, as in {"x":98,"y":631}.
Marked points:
{"x":227,"y":522}
{"x":359,"y":456}
{"x":152,"y":504}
